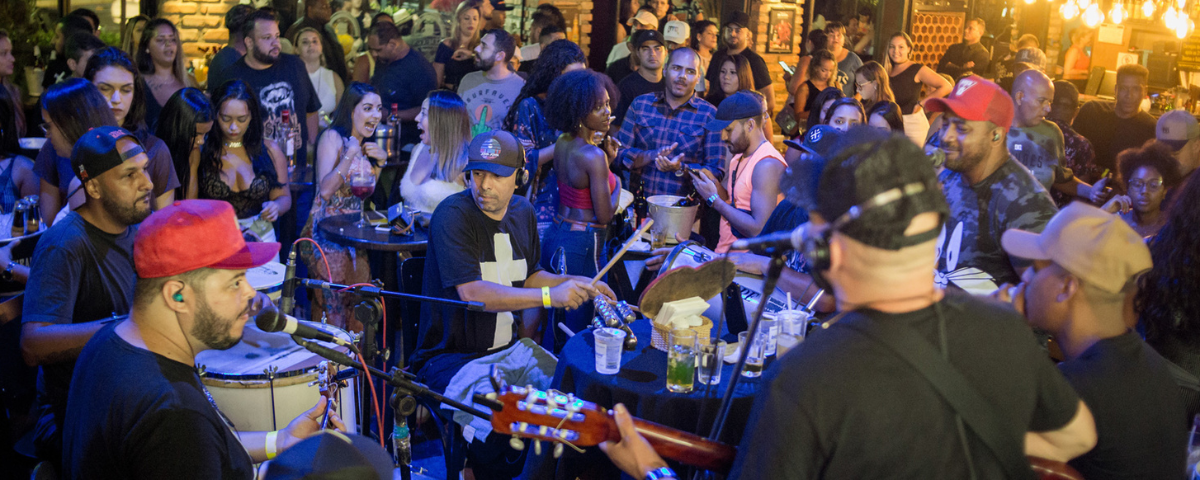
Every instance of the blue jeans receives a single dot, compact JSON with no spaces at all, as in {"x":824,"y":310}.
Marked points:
{"x":583,"y":254}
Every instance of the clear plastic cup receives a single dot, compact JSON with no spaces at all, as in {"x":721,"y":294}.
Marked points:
{"x":793,"y":322}
{"x":609,"y":342}
{"x":757,"y":356}
{"x":770,"y":329}
{"x":711,"y":359}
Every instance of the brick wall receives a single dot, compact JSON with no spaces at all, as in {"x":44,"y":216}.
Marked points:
{"x":759,"y":13}
{"x":201,"y":23}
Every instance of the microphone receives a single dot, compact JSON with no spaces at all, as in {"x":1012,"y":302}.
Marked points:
{"x":778,"y":240}
{"x":287,"y":298}
{"x":270,"y":320}
{"x":327,"y":353}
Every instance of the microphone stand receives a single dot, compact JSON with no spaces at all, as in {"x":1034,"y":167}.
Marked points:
{"x":377,"y":292}
{"x":776,"y":268}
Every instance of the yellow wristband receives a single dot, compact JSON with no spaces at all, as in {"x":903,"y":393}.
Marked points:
{"x":271,"y":444}
{"x":546,"y":297}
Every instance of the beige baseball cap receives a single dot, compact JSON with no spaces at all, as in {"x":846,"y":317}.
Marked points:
{"x":1094,"y":245}
{"x":645,"y":18}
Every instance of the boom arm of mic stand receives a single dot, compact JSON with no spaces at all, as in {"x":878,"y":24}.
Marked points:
{"x":400,"y":379}
{"x":376,"y":292}
{"x":772,"y":278}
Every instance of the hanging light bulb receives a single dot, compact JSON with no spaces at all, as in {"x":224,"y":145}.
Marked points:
{"x":1092,"y":16}
{"x":1148,"y":9}
{"x":1117,"y":14}
{"x":1029,"y":2}
{"x":1181,"y":30}
{"x":1070,"y":10}
{"x":1169,"y":18}
{"x":1181,"y":5}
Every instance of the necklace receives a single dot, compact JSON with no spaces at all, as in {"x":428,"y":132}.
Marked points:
{"x":233,"y":144}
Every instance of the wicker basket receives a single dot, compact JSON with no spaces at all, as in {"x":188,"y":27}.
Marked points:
{"x":660,"y":336}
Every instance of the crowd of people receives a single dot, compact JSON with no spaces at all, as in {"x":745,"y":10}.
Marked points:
{"x":920,"y":188}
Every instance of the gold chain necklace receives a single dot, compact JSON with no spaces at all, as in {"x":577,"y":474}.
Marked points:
{"x":233,"y":144}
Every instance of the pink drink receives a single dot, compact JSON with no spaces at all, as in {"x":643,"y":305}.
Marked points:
{"x":362,"y":192}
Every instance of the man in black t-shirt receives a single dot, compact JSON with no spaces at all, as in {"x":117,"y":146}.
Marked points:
{"x":1112,"y":127}
{"x":1086,"y":262}
{"x":82,"y":269}
{"x":651,"y":50}
{"x":968,"y":57}
{"x":402,"y":77}
{"x":234,"y":19}
{"x":879,"y":208}
{"x":737,"y":42}
{"x":139,"y":410}
{"x":483,"y":247}
{"x":280,"y":81}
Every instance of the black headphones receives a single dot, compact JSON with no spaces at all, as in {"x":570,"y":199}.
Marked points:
{"x":815,"y":247}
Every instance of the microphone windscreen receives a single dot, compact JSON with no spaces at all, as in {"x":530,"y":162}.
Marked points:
{"x":269,"y":320}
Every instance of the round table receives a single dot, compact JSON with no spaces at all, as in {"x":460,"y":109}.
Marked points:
{"x":342,"y":229}
{"x":642,"y":386}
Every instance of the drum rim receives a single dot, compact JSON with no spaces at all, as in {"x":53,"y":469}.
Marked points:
{"x":678,"y":249}
{"x":274,"y":287}
{"x":330,"y":329}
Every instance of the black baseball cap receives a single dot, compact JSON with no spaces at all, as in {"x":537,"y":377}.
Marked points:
{"x":643,"y":36}
{"x":870,"y":166}
{"x":499,"y":5}
{"x":741,"y":104}
{"x":332,"y":455}
{"x":737,"y":17}
{"x":497,"y":152}
{"x":96,"y":151}
{"x":818,"y":140}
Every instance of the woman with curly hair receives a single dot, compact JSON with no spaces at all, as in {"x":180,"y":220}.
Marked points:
{"x":1166,"y":303}
{"x":579,"y":104}
{"x":528,"y":123}
{"x":1147,"y":174}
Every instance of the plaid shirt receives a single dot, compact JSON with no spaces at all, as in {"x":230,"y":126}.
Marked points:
{"x":650,"y":124}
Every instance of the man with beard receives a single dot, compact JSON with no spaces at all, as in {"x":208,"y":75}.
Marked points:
{"x":82,"y":270}
{"x":754,"y":170}
{"x":489,"y":92}
{"x":650,"y":48}
{"x":280,"y":80}
{"x":140,"y":410}
{"x":969,"y":56}
{"x":402,"y":77}
{"x":988,"y":191}
{"x":737,"y":42}
{"x":316,"y":16}
{"x":665,"y":129}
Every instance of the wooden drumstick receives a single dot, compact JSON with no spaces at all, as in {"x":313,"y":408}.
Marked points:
{"x":613,"y":261}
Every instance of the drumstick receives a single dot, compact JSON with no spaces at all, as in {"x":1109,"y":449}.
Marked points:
{"x":613,"y":261}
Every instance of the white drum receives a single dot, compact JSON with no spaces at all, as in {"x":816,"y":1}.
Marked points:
{"x":267,"y":278}
{"x":693,"y":254}
{"x":238,"y":382}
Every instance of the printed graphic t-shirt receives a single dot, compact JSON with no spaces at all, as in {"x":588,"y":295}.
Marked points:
{"x":488,"y":101}
{"x":282,"y":86}
{"x":1040,"y":149}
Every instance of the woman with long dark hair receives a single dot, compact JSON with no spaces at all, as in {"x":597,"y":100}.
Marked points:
{"x":824,"y":100}
{"x":17,"y":179}
{"x":579,"y":105}
{"x":886,"y":116}
{"x":69,"y":109}
{"x":845,"y":113}
{"x":1166,"y":303}
{"x":186,"y":119}
{"x":734,"y":74}
{"x":131,"y":34}
{"x":8,"y":66}
{"x":344,"y":145}
{"x":160,"y":60}
{"x":436,"y":169}
{"x":237,"y":165}
{"x":527,"y":121}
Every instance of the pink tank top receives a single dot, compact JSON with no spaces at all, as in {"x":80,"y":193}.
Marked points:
{"x":581,"y":198}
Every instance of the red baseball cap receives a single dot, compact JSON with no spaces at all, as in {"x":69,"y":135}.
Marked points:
{"x":192,"y":234}
{"x":976,"y":99}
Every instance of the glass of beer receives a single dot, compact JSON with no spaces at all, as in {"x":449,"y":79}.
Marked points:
{"x":757,"y":355}
{"x":681,"y":360}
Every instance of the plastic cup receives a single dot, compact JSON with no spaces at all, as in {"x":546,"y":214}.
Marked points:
{"x":770,"y":329}
{"x":609,"y":342}
{"x":793,"y":322}
{"x":710,"y":357}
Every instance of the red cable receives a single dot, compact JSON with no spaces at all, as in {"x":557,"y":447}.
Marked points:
{"x":328,"y":272}
{"x":374,"y":399}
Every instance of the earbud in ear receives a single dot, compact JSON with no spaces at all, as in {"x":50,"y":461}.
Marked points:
{"x":995,"y":137}
{"x":178,"y":297}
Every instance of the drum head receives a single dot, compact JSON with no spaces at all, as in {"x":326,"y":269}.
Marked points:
{"x":267,"y":278}
{"x":688,"y":253}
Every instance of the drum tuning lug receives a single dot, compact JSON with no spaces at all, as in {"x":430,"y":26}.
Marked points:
{"x":387,"y":353}
{"x":516,"y":443}
{"x":558,"y":450}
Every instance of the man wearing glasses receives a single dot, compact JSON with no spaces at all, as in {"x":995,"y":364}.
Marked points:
{"x":1038,"y":143}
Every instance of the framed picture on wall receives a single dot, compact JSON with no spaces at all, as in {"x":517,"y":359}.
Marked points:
{"x":781,"y":27}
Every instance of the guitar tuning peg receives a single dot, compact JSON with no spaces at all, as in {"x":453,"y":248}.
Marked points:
{"x":558,"y":450}
{"x":516,"y":443}
{"x":490,"y":396}
{"x":537,"y":447}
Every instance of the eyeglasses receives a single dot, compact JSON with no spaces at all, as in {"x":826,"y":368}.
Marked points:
{"x":1152,"y":185}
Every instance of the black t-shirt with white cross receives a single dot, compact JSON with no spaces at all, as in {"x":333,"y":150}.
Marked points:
{"x":466,"y":245}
